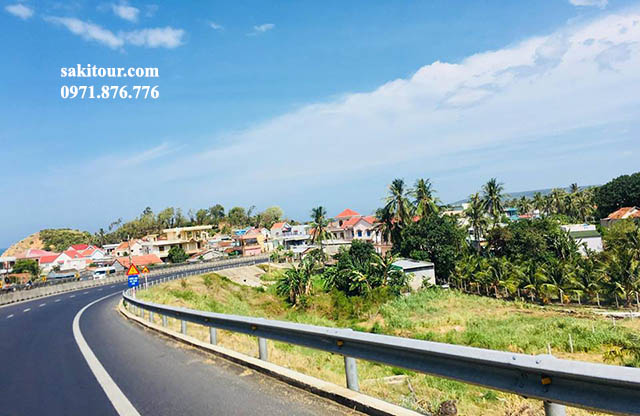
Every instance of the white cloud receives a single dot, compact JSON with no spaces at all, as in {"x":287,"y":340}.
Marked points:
{"x":166,"y":37}
{"x":88,"y":31}
{"x":262,"y":28}
{"x":547,"y":100}
{"x":215,"y":26}
{"x":125,"y":11}
{"x":590,"y":3}
{"x":20,"y":10}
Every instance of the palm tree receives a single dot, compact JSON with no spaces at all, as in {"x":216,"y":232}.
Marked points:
{"x":557,"y":197}
{"x":385,"y":225}
{"x":383,"y":267}
{"x":477,"y":219}
{"x":319,"y":224}
{"x":533,"y":279}
{"x":425,"y":203}
{"x":398,"y":208}
{"x":622,"y":268}
{"x":492,"y":196}
{"x":574,"y":188}
{"x":524,"y":205}
{"x":538,"y":202}
{"x":501,"y":273}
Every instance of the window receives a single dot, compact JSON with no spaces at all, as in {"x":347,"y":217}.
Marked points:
{"x":359,"y":233}
{"x":368,"y":233}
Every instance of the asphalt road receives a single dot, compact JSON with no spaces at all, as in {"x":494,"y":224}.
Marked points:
{"x":42,"y":370}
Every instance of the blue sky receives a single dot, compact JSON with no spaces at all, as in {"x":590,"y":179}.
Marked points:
{"x":304,"y":103}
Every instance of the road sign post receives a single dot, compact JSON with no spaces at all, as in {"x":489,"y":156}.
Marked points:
{"x":132,"y":276}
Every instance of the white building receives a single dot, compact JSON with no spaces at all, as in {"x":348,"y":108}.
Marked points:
{"x":421,"y":273}
{"x":585,"y":235}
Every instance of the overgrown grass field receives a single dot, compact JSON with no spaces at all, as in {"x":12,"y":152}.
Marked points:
{"x":431,"y":314}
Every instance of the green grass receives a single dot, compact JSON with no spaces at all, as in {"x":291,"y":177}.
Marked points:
{"x":431,"y":314}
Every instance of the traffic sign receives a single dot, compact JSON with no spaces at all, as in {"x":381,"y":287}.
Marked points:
{"x":144,"y":269}
{"x":133,"y":280}
{"x":132,"y":270}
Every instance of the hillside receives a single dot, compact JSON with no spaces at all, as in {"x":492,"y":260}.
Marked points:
{"x":32,"y":241}
{"x":50,"y":239}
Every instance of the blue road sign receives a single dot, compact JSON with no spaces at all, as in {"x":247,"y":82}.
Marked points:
{"x":133,"y":280}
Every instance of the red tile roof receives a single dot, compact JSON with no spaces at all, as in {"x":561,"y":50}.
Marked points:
{"x":73,"y":254}
{"x":371,"y":219}
{"x":79,"y":247}
{"x":278,"y":225}
{"x":48,"y":259}
{"x":139,"y":260}
{"x":625,"y":212}
{"x":34,"y":253}
{"x":347,"y":213}
{"x":351,"y":222}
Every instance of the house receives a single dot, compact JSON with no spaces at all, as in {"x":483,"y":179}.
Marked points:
{"x":123,"y":263}
{"x":621,"y":214}
{"x":278,"y":229}
{"x":285,"y":235}
{"x":109,"y":248}
{"x":206,"y":255}
{"x":79,"y":247}
{"x":586,"y":236}
{"x":128,"y":248}
{"x":93,"y":253}
{"x":6,"y":264}
{"x":249,"y":243}
{"x":421,"y":273}
{"x":71,"y":260}
{"x":191,"y":239}
{"x":350,"y":225}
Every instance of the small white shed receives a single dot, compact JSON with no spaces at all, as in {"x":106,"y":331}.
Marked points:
{"x":420,"y":272}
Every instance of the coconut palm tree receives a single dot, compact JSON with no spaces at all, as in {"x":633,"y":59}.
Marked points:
{"x":524,"y":205}
{"x":501,"y":273}
{"x":574,"y":188}
{"x":538,"y":202}
{"x":319,"y":224}
{"x":425,"y":203}
{"x":557,"y":197}
{"x":492,"y":196}
{"x":475,"y":212}
{"x":384,"y":224}
{"x":397,"y":202}
{"x":296,"y":281}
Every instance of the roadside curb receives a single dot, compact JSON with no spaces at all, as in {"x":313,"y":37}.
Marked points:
{"x":349,"y":398}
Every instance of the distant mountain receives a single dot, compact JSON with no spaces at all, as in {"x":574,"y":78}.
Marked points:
{"x":528,"y":194}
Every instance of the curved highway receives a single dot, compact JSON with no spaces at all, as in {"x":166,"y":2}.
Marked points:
{"x":44,"y":371}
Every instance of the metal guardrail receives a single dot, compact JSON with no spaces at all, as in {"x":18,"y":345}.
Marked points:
{"x":175,"y":270}
{"x":557,"y":382}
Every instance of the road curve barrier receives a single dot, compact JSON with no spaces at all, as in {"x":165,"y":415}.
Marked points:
{"x":557,"y":382}
{"x":55,"y":287}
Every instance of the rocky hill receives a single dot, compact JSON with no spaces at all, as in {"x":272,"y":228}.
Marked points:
{"x":50,"y":239}
{"x":32,"y":241}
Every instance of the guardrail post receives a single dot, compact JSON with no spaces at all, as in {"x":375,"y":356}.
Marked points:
{"x":183,"y":327}
{"x":165,"y":321}
{"x":262,"y":348}
{"x":554,"y":409}
{"x":213,"y":335}
{"x":150,"y":316}
{"x":351,"y":370}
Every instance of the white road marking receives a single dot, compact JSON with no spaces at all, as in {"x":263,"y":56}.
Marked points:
{"x":57,"y":300}
{"x":10,"y":316}
{"x":119,"y":401}
{"x":72,"y":296}
{"x":84,"y":293}
{"x":99,"y":290}
{"x":26,"y":310}
{"x":41,"y":305}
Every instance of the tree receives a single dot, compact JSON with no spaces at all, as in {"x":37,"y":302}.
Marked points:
{"x":538,"y":202}
{"x":177,"y":255}
{"x":623,"y":191}
{"x":524,"y":205}
{"x":27,"y":266}
{"x":436,"y":239}
{"x":237,"y":216}
{"x":296,"y":282}
{"x":425,"y":203}
{"x":216,"y":213}
{"x":319,"y":224}
{"x":270,"y":216}
{"x":477,"y":220}
{"x":385,"y":224}
{"x":397,"y":202}
{"x":492,"y":196}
